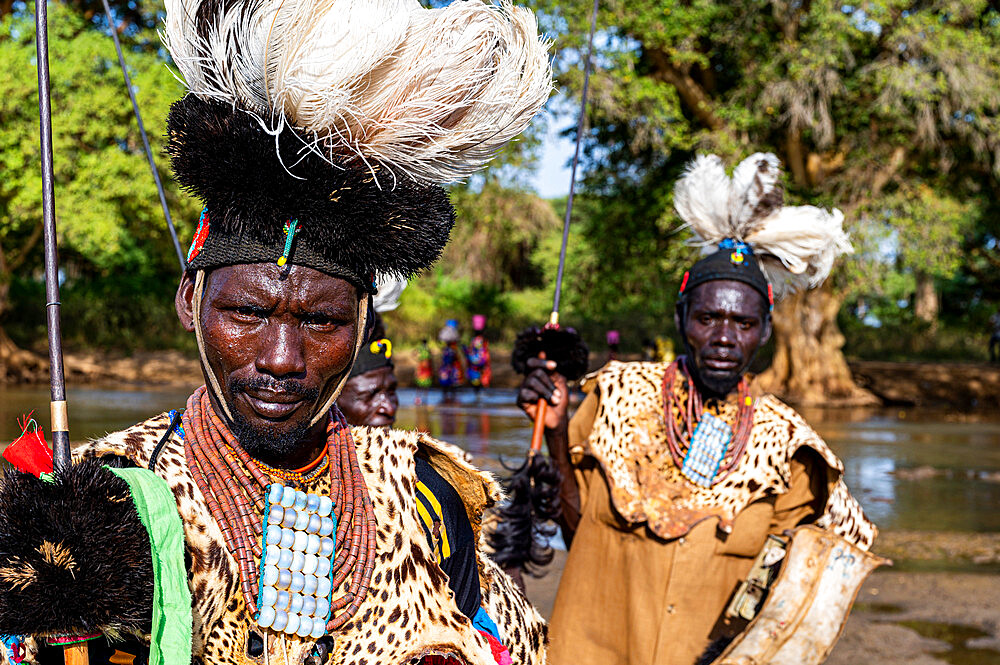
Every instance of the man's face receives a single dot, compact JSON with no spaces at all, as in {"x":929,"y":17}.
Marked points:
{"x":277,"y":342}
{"x":725,"y":326}
{"x":370,"y":398}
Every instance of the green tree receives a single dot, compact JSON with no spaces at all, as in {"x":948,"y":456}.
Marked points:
{"x":887,"y":109}
{"x":108,"y":213}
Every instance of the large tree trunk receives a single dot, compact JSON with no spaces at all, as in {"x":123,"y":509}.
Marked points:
{"x":809,"y":367}
{"x":925,"y":303}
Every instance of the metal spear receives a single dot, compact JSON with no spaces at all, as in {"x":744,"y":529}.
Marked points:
{"x":145,"y":139}
{"x":75,"y":654}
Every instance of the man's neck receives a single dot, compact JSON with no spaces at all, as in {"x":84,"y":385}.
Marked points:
{"x":707,"y":393}
{"x":305,"y":451}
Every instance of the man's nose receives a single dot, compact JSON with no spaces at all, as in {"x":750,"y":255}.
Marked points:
{"x":386,"y":405}
{"x":281,"y":353}
{"x":725,"y":334}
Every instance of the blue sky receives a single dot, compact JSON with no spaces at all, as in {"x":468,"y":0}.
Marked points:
{"x":552,"y":178}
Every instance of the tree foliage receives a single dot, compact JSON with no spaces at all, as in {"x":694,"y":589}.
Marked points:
{"x":109,"y":219}
{"x":887,"y":109}
{"x":107,"y":208}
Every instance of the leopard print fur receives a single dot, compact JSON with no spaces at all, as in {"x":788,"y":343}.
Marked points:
{"x":629,"y":440}
{"x":409,"y":612}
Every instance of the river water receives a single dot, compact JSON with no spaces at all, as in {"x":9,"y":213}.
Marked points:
{"x":911,"y":469}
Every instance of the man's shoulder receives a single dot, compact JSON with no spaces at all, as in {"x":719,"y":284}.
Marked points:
{"x":617,"y":380}
{"x":137,"y":442}
{"x":447,"y":459}
{"x":394,"y":452}
{"x":636,"y":369}
{"x":775,"y":418}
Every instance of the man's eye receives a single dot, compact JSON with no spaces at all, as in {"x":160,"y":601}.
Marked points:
{"x":704,"y":319}
{"x":250,"y":312}
{"x":319,"y":320}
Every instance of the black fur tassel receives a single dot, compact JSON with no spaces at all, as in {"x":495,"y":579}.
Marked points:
{"x":563,"y":345}
{"x":74,"y":557}
{"x":253,"y":182}
{"x":525,"y":519}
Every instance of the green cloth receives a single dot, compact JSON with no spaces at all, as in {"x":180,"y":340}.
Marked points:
{"x":171,"y":633}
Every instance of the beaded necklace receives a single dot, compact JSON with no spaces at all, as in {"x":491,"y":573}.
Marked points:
{"x":681,"y":421}
{"x":297,"y":477}
{"x":235,"y":488}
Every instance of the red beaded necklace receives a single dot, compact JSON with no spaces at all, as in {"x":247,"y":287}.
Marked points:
{"x":233,"y":484}
{"x":680,"y":427}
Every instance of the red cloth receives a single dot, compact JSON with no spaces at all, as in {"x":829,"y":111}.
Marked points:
{"x":500,"y":654}
{"x":30,"y":453}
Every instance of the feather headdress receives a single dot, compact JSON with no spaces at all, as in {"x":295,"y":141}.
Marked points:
{"x":389,"y":290}
{"x":431,"y":94}
{"x":795,"y":245}
{"x":318,"y":132}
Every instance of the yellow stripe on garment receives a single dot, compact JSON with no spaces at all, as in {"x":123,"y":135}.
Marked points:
{"x":429,"y":524}
{"x":425,"y":516}
{"x":445,"y":547}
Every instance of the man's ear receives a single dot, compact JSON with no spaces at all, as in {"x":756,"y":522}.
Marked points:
{"x":677,"y":320}
{"x":184,"y":301}
{"x":766,"y":329}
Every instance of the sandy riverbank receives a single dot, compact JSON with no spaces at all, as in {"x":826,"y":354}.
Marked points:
{"x":904,"y":616}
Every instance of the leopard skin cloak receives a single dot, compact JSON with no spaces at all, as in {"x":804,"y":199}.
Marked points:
{"x":409,"y":612}
{"x":629,"y":440}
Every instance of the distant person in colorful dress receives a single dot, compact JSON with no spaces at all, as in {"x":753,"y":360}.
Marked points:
{"x":613,"y":339}
{"x":423,"y":378}
{"x":450,"y":372}
{"x":477,"y":355}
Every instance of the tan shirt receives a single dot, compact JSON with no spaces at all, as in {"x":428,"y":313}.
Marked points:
{"x":628,"y":596}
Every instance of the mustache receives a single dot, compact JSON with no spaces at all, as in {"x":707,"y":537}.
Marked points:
{"x":734,"y":356}
{"x":288,"y":386}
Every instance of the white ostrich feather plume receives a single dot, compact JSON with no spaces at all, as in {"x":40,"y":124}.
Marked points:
{"x":432,"y":93}
{"x":796,"y":245}
{"x":389,"y":290}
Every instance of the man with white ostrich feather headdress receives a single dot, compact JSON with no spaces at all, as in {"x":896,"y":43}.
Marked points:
{"x":689,"y":490}
{"x":258,"y":525}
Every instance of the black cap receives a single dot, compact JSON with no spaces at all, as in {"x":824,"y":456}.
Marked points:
{"x":374,"y":355}
{"x":733,"y":261}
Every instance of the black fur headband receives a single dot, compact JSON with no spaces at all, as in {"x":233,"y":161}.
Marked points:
{"x":353,"y":220}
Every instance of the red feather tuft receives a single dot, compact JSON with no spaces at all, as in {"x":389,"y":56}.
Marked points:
{"x":29,"y":453}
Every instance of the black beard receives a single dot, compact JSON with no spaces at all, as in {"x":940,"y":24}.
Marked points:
{"x":718,"y":387}
{"x":262,"y":442}
{"x":707,"y":386}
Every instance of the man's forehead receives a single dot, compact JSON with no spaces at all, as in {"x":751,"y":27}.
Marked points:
{"x":727,"y":296}
{"x":378,"y":377}
{"x":292,"y":281}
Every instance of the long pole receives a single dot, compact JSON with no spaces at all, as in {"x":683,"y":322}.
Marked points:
{"x":554,"y":318}
{"x":57,"y":382}
{"x":537,"y":434}
{"x":145,"y":139}
{"x":75,"y":654}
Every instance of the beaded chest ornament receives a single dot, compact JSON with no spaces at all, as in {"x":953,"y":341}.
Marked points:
{"x":713,"y":450}
{"x":296,"y":571}
{"x":307,"y":544}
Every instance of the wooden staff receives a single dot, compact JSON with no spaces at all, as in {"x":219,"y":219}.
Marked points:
{"x":533,"y":488}
{"x":75,"y":654}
